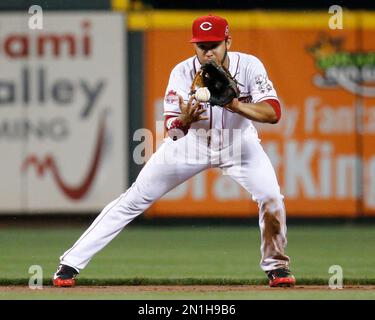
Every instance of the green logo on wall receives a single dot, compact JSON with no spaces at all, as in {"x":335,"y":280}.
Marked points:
{"x":353,"y":71}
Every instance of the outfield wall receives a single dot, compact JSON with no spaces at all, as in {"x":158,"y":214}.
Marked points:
{"x":62,"y":112}
{"x":322,"y":149}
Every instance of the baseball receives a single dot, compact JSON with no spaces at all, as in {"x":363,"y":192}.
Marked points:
{"x":202,"y":94}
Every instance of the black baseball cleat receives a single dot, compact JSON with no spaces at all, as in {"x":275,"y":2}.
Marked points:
{"x":64,"y":276}
{"x":281,"y":278}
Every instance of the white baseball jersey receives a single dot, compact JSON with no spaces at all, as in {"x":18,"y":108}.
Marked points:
{"x":253,"y":82}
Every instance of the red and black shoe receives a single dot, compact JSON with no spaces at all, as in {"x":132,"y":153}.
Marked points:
{"x":64,"y":276}
{"x":281,"y":278}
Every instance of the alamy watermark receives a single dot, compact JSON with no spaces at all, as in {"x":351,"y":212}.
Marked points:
{"x":36,"y":279}
{"x":200,"y":146}
{"x":36,"y":20}
{"x":336,"y":20}
{"x":336,"y":281}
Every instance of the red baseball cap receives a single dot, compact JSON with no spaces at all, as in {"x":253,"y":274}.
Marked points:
{"x":210,"y":28}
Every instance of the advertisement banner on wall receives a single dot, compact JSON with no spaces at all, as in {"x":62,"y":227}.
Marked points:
{"x":322,"y":149}
{"x":62,"y":112}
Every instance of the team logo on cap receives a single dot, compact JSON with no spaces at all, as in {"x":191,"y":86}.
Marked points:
{"x":205,"y":26}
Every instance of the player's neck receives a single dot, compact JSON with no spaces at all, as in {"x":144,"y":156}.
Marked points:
{"x":226,"y":62}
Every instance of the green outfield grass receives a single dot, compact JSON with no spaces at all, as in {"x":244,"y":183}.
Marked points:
{"x":192,"y":255}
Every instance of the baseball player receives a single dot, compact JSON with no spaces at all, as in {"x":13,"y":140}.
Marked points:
{"x":200,"y":132}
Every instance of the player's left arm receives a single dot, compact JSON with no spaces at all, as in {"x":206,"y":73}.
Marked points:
{"x":267,"y":111}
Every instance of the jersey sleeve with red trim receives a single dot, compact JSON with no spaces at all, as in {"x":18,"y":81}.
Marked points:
{"x":261,"y":88}
{"x":275,"y":104}
{"x":177,"y":85}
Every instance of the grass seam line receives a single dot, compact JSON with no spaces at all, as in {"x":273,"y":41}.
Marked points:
{"x":183,"y":281}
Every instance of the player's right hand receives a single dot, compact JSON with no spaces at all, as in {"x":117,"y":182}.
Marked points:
{"x":191,"y":111}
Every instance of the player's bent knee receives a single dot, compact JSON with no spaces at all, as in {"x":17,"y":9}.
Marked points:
{"x":272,"y":204}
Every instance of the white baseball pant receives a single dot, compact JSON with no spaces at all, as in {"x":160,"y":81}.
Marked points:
{"x":168,"y":167}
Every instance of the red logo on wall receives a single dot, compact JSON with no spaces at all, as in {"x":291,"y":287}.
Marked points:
{"x":49,"y":163}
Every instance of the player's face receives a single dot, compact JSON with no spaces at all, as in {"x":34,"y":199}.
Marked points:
{"x":212,"y":50}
